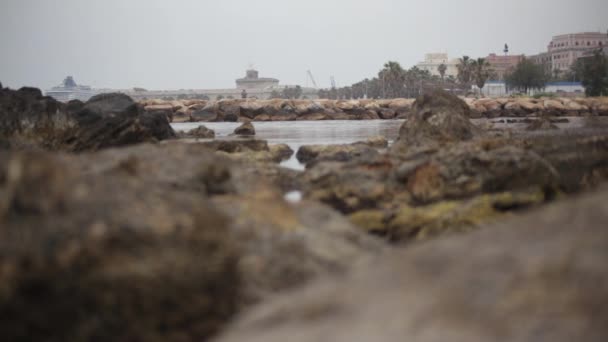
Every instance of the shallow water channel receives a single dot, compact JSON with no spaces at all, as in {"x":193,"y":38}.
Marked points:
{"x":298,"y":133}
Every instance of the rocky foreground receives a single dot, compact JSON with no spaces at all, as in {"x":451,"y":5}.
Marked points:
{"x":289,"y":110}
{"x":112,"y":227}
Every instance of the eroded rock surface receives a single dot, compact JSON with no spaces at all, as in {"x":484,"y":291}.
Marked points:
{"x":540,"y":277}
{"x":309,"y":153}
{"x":438,"y":118}
{"x":153,"y":242}
{"x":109,"y":255}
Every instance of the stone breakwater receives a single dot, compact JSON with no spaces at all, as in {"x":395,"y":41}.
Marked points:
{"x":289,"y":110}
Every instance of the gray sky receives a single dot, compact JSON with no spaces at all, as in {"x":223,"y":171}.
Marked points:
{"x":183,"y":44}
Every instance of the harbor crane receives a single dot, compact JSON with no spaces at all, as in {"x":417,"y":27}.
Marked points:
{"x":312,"y":78}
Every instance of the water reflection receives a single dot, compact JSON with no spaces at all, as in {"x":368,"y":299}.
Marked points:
{"x":298,"y":133}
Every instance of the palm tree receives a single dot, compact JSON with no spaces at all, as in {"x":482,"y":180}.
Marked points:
{"x":393,"y":80}
{"x":480,"y":72}
{"x":464,"y":70}
{"x":442,"y":69}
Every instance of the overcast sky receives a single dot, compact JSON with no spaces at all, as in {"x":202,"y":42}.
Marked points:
{"x":184,"y":44}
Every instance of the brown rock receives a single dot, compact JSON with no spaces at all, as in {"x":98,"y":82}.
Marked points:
{"x":201,"y":132}
{"x":111,"y":256}
{"x":512,"y":282}
{"x":246,"y":129}
{"x":437,"y":118}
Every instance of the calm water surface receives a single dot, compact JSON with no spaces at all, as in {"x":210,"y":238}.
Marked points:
{"x":298,"y":133}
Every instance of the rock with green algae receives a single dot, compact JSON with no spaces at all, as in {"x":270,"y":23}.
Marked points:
{"x":424,"y":222}
{"x":403,"y":223}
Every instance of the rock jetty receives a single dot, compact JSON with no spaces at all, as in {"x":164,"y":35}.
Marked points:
{"x":368,"y":109}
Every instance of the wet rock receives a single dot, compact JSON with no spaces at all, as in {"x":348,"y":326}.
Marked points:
{"x":580,"y":159}
{"x":107,"y":105}
{"x":201,"y":132}
{"x":369,"y":148}
{"x":246,"y":129}
{"x":29,"y":120}
{"x":541,"y":125}
{"x":387,"y":114}
{"x":237,"y":145}
{"x":110,"y":120}
{"x":438,"y":117}
{"x":359,"y":184}
{"x":282,"y":151}
{"x":470,"y":169}
{"x":274,"y":154}
{"x":516,"y":285}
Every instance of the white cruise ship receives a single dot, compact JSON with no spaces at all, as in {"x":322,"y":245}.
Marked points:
{"x":69,"y":91}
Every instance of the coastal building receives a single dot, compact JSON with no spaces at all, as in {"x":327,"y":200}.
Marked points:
{"x":251,"y":86}
{"x":432,"y":61}
{"x":253,"y":81}
{"x":564,"y":88}
{"x":492,"y":89}
{"x":503,"y":65}
{"x":564,"y":50}
{"x":69,"y":90}
{"x":499,"y":89}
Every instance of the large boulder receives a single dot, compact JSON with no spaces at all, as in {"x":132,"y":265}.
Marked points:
{"x":27,"y":119}
{"x":540,"y":277}
{"x":153,"y":242}
{"x":109,"y":255}
{"x":470,"y":169}
{"x":438,"y":117}
{"x":110,"y":120}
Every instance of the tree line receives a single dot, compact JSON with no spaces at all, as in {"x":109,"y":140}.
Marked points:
{"x":393,"y":81}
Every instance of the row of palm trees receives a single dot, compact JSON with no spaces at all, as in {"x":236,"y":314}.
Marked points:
{"x":474,"y":71}
{"x":393,"y":81}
